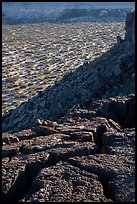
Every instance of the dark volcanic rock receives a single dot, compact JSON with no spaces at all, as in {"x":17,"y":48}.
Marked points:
{"x":130,"y":27}
{"x":15,"y":179}
{"x":22,"y":135}
{"x":73,"y":149}
{"x":42,"y":130}
{"x":32,"y":145}
{"x":87,"y":154}
{"x":120,"y":109}
{"x":9,"y":138}
{"x":108,"y":154}
{"x":120,"y":143}
{"x":130,"y":117}
{"x":119,"y":188}
{"x":65,"y":183}
{"x":105,"y":166}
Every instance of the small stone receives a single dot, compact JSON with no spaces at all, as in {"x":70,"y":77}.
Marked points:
{"x":117,"y":71}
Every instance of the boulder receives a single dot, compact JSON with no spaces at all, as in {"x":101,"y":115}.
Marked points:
{"x":65,"y":183}
{"x":119,"y":109}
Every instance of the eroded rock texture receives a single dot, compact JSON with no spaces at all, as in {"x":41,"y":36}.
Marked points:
{"x":85,"y":158}
{"x":86,"y":155}
{"x":130,"y":27}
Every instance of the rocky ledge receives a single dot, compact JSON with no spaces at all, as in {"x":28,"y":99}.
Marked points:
{"x":87,"y":154}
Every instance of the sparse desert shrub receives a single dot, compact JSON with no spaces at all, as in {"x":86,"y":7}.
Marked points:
{"x":23,"y":85}
{"x":33,"y":92}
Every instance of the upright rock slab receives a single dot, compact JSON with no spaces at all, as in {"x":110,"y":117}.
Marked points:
{"x":130,"y":27}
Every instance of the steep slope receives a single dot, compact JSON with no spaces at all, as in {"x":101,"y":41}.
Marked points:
{"x":108,"y":75}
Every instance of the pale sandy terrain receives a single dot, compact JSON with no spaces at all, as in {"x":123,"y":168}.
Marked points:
{"x":35,"y":55}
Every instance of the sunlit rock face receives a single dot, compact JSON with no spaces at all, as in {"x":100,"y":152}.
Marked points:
{"x":130,"y":27}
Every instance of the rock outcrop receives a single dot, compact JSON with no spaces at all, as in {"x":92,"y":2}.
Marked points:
{"x":88,"y":153}
{"x":130,"y":27}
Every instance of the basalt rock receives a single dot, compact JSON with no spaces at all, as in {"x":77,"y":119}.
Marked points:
{"x":64,"y":182}
{"x":130,"y":27}
{"x":88,"y":153}
{"x":93,"y":152}
{"x":119,"y":109}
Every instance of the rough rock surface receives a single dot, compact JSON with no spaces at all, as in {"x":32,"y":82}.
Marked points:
{"x":130,"y":27}
{"x":64,"y":182}
{"x":86,"y":155}
{"x":89,"y":156}
{"x":120,"y":110}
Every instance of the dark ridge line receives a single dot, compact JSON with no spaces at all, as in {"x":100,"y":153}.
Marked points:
{"x":65,"y":16}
